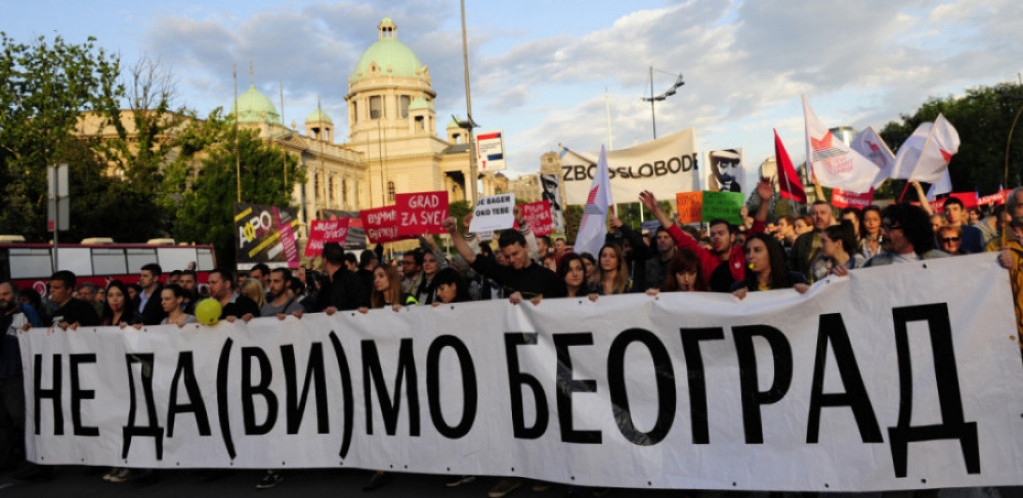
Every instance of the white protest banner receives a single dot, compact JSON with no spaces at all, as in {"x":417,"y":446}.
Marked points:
{"x":664,"y":166}
{"x":493,"y":212}
{"x":900,"y":377}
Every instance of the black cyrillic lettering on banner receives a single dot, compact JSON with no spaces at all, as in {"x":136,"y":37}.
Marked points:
{"x":153,"y":429}
{"x":250,"y":391}
{"x":516,"y":379}
{"x":195,"y":405}
{"x":223,"y":396}
{"x":314,"y":374}
{"x":372,"y":374}
{"x":470,"y":399}
{"x":346,"y":388}
{"x":832,"y":329}
{"x":953,"y":424}
{"x":567,"y":385}
{"x":53,"y":393}
{"x":664,"y":377}
{"x":78,"y":394}
{"x":749,"y":381}
{"x":697,"y":378}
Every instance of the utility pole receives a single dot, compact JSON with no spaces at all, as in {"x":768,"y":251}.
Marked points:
{"x":471,"y":183}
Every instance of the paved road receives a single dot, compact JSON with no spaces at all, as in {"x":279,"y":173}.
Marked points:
{"x":86,"y":482}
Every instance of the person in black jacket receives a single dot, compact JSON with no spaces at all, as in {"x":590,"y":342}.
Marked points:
{"x":345,"y":290}
{"x":70,"y":311}
{"x":149,"y":299}
{"x":221,"y":283}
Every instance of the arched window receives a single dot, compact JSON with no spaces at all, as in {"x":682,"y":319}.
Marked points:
{"x":390,"y":191}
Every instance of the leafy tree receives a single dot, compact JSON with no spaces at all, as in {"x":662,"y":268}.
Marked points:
{"x":205,"y":209}
{"x":44,"y":88}
{"x":983,"y":118}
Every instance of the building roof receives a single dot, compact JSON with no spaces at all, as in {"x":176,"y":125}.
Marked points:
{"x":392,"y":58}
{"x":318,"y":116}
{"x":254,"y":107}
{"x":420,"y":103}
{"x":453,"y":123}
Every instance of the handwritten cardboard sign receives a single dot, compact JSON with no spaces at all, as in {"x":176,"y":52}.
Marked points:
{"x":689,"y":206}
{"x":493,"y":212}
{"x":538,"y":217}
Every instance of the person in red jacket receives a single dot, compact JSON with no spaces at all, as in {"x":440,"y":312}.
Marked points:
{"x":725,"y":263}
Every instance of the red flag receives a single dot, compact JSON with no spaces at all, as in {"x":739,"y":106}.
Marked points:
{"x":788,"y":181}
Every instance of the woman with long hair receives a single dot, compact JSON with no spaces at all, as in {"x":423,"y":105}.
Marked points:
{"x":685,"y":273}
{"x":572,"y":271}
{"x":117,"y":309}
{"x":253,"y":289}
{"x":612,"y":273}
{"x":386,"y":289}
{"x":450,"y":287}
{"x":871,"y":241}
{"x":766,"y":269}
{"x":590,"y":263}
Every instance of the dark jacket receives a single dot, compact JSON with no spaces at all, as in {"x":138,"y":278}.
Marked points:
{"x":153,"y":313}
{"x":345,"y":292}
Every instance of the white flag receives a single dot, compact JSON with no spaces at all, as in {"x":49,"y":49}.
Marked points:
{"x":834,"y":163}
{"x":593,"y":227}
{"x":872,"y":146}
{"x":939,"y":187}
{"x":924,"y":156}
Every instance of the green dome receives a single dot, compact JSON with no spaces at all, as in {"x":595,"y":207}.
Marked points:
{"x":254,"y":107}
{"x":420,"y":103}
{"x":391,"y":56}
{"x":453,"y":123}
{"x":318,"y":116}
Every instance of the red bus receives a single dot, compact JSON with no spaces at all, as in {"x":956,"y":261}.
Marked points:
{"x":30,"y":265}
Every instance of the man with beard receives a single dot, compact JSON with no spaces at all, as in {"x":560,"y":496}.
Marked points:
{"x":725,"y":263}
{"x":279,"y":299}
{"x":657,"y":266}
{"x":187,"y":281}
{"x":232,"y":304}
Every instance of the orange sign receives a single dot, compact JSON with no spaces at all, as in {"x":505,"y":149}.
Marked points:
{"x":690,"y":206}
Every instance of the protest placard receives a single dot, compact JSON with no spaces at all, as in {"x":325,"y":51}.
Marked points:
{"x":689,"y":206}
{"x":493,"y":212}
{"x":723,"y":205}
{"x":538,"y":217}
{"x":381,"y":224}
{"x":421,"y":212}
{"x":324,"y":231}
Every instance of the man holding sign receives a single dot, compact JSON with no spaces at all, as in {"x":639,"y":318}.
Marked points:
{"x":724,"y":264}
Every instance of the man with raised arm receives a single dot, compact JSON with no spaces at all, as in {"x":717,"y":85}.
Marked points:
{"x":725,"y":264}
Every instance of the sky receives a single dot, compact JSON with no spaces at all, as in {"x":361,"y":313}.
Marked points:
{"x":548,"y":73}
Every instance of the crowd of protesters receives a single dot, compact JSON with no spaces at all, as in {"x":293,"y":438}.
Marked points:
{"x":765,"y":252}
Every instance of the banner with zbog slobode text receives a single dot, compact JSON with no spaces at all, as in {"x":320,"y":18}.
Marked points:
{"x":663,"y":166}
{"x":901,"y":377}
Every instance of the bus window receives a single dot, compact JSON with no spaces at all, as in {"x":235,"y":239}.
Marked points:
{"x":76,"y":259}
{"x":30,"y":263}
{"x":138,"y":257}
{"x":109,"y":261}
{"x":175,"y":258}
{"x":205,"y":260}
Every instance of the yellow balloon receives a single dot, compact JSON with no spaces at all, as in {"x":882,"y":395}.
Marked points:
{"x":208,"y":311}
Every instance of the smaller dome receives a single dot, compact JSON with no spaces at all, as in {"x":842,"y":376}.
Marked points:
{"x":453,"y":123}
{"x":318,"y":116}
{"x":420,"y":103}
{"x":254,"y":107}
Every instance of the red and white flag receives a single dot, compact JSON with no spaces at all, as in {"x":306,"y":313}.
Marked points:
{"x":872,"y":146}
{"x":789,"y":185}
{"x":834,"y":163}
{"x":593,"y":227}
{"x":925,"y":155}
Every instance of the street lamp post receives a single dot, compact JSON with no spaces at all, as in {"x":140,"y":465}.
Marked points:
{"x":657,"y":98}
